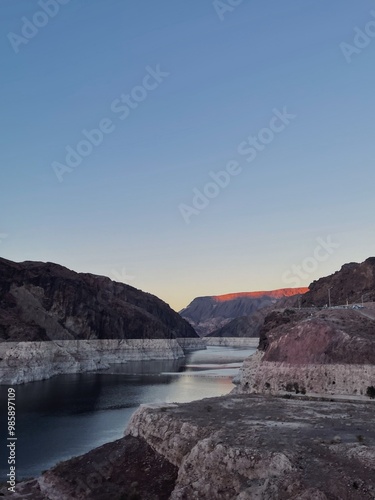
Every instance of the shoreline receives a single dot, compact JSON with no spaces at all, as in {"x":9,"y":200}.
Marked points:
{"x":23,"y":362}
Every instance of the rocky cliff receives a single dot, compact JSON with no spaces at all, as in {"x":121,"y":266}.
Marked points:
{"x":328,"y":351}
{"x":55,"y":321}
{"x":209,"y":314}
{"x":45,"y":301}
{"x":322,"y":350}
{"x":351,"y":284}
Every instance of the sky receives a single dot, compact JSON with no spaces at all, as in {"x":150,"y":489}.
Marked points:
{"x":188,"y":148}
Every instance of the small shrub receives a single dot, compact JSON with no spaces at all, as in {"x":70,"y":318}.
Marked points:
{"x":371,"y":392}
{"x":296,"y":387}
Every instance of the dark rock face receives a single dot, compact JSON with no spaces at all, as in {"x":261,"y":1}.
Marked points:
{"x":204,"y":308}
{"x":274,"y":320}
{"x":124,"y":469}
{"x":251,"y":326}
{"x":45,"y":301}
{"x":349,"y":284}
{"x":245,"y":326}
{"x":210,"y":314}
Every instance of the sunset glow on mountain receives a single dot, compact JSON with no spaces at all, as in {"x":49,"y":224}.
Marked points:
{"x":277,"y":294}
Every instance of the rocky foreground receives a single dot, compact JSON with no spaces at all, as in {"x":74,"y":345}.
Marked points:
{"x":233,"y":447}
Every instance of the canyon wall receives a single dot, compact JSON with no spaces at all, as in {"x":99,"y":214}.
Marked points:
{"x":45,"y":301}
{"x":267,"y":377}
{"x":210,"y":314}
{"x":22,"y":362}
{"x":313,"y":352}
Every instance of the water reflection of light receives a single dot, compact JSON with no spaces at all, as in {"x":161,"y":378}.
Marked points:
{"x":185,"y":388}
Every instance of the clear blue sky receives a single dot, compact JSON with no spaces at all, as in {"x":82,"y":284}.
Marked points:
{"x":117,"y":213}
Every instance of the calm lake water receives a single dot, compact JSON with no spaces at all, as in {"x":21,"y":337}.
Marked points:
{"x":70,"y":414}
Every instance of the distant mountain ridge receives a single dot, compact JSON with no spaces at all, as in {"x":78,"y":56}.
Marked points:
{"x":45,"y":301}
{"x":276,"y":294}
{"x":250,"y":326}
{"x":207,"y":314}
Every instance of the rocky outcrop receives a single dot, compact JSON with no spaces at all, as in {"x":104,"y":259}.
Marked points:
{"x":260,"y":448}
{"x":40,"y":302}
{"x":208,"y":314}
{"x":244,"y":447}
{"x":127,"y":469}
{"x":351,"y":284}
{"x":313,"y":351}
{"x":22,"y":362}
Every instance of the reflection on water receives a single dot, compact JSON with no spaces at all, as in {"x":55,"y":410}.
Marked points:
{"x":70,"y":414}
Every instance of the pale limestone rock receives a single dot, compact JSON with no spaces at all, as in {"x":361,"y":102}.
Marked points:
{"x":23,"y":362}
{"x":258,"y":376}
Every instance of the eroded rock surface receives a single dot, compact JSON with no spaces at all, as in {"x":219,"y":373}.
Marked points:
{"x":127,"y":469}
{"x":22,"y":362}
{"x":257,"y":447}
{"x":236,"y":447}
{"x":327,"y":351}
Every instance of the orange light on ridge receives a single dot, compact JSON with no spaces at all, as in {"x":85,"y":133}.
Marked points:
{"x":277,"y":294}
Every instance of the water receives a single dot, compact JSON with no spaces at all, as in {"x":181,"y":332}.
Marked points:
{"x":70,"y":414}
